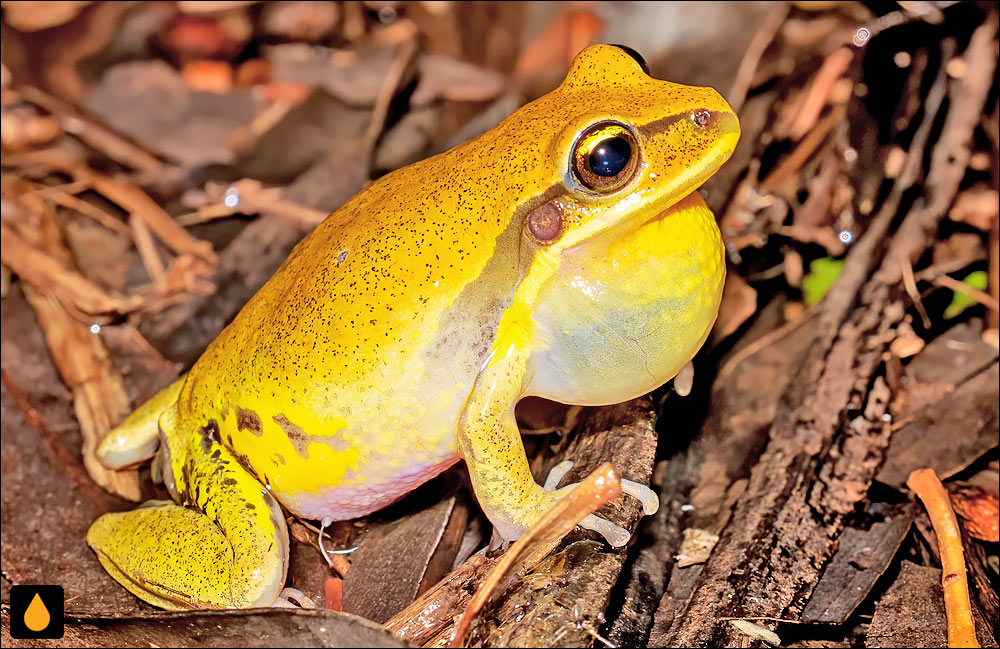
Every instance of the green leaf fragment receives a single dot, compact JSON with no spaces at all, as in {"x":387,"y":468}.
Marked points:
{"x":822,"y":274}
{"x":961,"y":301}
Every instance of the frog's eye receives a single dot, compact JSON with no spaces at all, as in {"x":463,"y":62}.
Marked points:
{"x":605,"y":157}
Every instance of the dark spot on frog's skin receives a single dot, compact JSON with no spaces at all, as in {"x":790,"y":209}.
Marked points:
{"x":209,"y":435}
{"x":250,"y":506}
{"x":300,"y":439}
{"x":249,"y":420}
{"x":228,"y":482}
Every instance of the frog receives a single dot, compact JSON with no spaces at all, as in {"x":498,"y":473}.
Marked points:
{"x":566,"y":253}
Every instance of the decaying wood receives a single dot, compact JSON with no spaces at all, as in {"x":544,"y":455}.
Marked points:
{"x":862,"y":557}
{"x":984,"y":592}
{"x":700,"y":482}
{"x":972,"y":414}
{"x":816,"y":465}
{"x":589,"y":495}
{"x":571,"y":589}
{"x":911,"y":612}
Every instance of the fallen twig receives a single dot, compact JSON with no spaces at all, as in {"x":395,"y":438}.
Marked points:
{"x":96,"y":135}
{"x":961,"y":629}
{"x":593,"y":492}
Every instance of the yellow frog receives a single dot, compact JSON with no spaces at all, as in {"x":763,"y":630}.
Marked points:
{"x":565,"y":253}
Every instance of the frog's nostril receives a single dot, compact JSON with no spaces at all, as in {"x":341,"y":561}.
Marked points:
{"x":701,"y":117}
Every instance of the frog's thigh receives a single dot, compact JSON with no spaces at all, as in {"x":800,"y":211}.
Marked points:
{"x":229,"y":552}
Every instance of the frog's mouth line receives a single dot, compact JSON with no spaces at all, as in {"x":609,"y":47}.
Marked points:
{"x":700,"y":173}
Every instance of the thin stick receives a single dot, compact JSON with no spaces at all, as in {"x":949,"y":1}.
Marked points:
{"x":751,"y":59}
{"x":593,"y":492}
{"x":910,"y":284}
{"x":982,"y":297}
{"x":404,"y":55}
{"x":927,"y":486}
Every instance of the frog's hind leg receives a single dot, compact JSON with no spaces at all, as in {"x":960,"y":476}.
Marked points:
{"x":135,"y":439}
{"x":225,"y":546}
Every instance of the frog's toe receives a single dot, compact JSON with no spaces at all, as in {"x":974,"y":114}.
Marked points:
{"x":556,"y":475}
{"x":614,"y":535}
{"x":650,"y":501}
{"x":294,"y":598}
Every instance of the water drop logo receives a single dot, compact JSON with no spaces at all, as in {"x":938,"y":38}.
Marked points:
{"x":36,"y":612}
{"x":37,"y":616}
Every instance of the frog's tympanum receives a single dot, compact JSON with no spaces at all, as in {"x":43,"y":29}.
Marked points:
{"x":565,"y":253}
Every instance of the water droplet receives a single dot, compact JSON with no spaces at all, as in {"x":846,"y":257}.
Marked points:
{"x":232,"y":198}
{"x":846,"y":236}
{"x":861,"y":36}
{"x":95,"y":328}
{"x":387,"y":15}
{"x":36,"y":616}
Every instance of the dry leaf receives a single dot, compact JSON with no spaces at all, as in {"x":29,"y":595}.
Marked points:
{"x":977,"y":207}
{"x":979,"y":509}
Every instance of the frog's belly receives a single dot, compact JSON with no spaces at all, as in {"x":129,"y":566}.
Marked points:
{"x":343,"y":502}
{"x":351,"y":473}
{"x":354,"y":452}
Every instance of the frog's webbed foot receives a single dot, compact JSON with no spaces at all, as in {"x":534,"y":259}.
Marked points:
{"x":616,"y":536}
{"x":226,"y":547}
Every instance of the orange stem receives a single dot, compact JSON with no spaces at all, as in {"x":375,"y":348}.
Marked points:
{"x":958,"y":608}
{"x":593,"y":492}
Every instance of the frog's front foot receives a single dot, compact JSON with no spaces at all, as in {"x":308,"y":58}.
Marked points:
{"x":616,"y":536}
{"x":293,"y":598}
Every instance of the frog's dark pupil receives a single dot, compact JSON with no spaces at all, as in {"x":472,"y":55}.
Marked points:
{"x":610,"y":156}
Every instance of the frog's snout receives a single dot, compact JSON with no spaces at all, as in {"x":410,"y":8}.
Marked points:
{"x":724,"y":121}
{"x":714,"y":113}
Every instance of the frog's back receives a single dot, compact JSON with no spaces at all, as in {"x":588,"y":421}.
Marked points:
{"x":350,"y":366}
